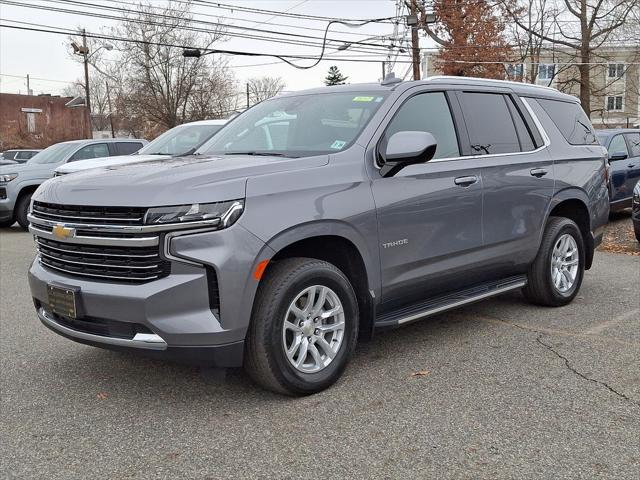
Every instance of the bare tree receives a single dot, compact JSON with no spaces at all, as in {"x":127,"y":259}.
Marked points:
{"x":263,"y":88}
{"x":579,"y":28}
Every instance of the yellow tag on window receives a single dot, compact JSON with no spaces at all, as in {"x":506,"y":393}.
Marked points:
{"x":362,"y":99}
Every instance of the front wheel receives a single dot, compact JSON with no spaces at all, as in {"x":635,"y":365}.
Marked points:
{"x":22,"y":209}
{"x":303,"y":328}
{"x":555,"y":276}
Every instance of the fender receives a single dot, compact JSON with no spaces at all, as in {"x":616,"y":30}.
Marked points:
{"x":334,"y":228}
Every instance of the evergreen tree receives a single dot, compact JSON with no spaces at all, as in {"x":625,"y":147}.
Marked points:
{"x":334,"y":77}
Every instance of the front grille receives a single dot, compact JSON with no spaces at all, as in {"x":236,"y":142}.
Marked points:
{"x":129,"y":264}
{"x":89,"y":214}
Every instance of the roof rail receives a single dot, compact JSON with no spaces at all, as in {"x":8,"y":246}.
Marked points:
{"x":489,"y":80}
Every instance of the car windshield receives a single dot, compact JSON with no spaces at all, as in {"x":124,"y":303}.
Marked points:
{"x":180,"y":140}
{"x":602,"y":138}
{"x":298,"y":126}
{"x":53,"y":154}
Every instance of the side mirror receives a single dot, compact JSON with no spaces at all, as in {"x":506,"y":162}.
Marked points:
{"x":618,"y":156}
{"x":407,"y":148}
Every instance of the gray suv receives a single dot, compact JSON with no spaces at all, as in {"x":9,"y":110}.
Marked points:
{"x":18,"y":182}
{"x":316,"y":218}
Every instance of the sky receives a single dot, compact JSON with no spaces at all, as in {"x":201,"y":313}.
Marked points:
{"x":46,"y":57}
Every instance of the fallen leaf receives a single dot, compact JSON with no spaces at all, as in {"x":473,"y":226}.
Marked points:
{"x":421,"y":373}
{"x":101,"y":396}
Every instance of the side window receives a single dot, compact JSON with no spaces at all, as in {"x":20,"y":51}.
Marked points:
{"x":127,"y":148}
{"x":427,"y":112}
{"x":23,"y":155}
{"x":489,"y":123}
{"x":570,"y":120}
{"x":91,"y":151}
{"x":633,"y":139}
{"x":618,"y":145}
{"x":524,"y":133}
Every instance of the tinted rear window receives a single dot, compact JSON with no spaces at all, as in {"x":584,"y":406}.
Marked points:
{"x":489,"y":123}
{"x":570,"y":120}
{"x":126,"y":148}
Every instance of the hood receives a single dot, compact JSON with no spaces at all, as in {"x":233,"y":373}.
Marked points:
{"x":78,"y":166}
{"x":174,"y":181}
{"x":33,"y":169}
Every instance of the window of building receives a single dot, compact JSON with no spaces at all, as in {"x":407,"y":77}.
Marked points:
{"x":487,"y":137}
{"x":571,"y":120}
{"x":427,"y":112}
{"x":31,"y":122}
{"x":616,"y":70}
{"x":515,"y":70}
{"x":546,"y":71}
{"x":614,"y":103}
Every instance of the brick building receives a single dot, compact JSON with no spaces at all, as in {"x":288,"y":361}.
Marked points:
{"x":37,"y":121}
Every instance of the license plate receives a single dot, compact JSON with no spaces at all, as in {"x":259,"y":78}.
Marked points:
{"x":63,"y":300}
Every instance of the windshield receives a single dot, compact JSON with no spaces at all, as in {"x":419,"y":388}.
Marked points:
{"x":298,"y":126}
{"x":602,"y":138}
{"x":53,"y":154}
{"x":180,"y":140}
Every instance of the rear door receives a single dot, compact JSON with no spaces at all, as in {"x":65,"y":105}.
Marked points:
{"x":429,"y":215}
{"x":619,"y":165}
{"x":517,"y":175}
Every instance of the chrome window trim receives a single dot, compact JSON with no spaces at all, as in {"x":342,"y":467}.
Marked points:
{"x":546,"y":142}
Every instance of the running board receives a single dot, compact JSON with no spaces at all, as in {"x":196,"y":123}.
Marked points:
{"x":449,"y":301}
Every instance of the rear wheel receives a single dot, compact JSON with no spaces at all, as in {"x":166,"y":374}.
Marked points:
{"x":303,"y":328}
{"x":21,"y":210}
{"x":555,"y":276}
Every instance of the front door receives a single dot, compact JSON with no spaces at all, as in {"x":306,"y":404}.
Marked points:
{"x":633,"y":164}
{"x":429,"y":215}
{"x":619,"y":162}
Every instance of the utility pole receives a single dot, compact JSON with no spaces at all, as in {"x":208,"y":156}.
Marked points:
{"x":384,"y":73}
{"x":415,"y":41}
{"x":85,"y":55}
{"x":28,"y":86}
{"x":113,"y":135}
{"x":247,"y":94}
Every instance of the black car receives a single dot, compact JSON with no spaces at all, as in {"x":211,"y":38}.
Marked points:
{"x":623,"y":145}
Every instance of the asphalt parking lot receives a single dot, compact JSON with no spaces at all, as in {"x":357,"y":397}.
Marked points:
{"x":498,"y":389}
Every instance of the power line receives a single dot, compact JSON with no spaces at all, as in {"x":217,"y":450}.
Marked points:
{"x":283,"y":57}
{"x":190,"y":28}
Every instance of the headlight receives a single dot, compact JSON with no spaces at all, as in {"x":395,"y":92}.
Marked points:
{"x":7,"y":177}
{"x":222,"y":214}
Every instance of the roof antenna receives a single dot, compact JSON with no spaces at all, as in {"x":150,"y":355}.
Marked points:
{"x":390,"y":79}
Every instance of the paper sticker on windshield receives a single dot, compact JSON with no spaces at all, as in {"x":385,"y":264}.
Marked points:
{"x":362,"y":99}
{"x":338,"y":144}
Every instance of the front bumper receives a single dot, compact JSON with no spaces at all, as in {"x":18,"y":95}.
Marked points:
{"x":169,"y":317}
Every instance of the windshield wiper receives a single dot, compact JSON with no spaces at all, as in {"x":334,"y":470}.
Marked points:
{"x":262,"y":154}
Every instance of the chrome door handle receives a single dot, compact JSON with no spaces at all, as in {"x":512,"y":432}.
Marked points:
{"x":538,"y":172}
{"x":466,"y":181}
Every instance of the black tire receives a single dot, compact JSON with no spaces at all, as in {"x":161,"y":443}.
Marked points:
{"x":7,"y":223}
{"x":540,"y":288}
{"x":21,"y":210}
{"x":265,"y":358}
{"x":637,"y":232}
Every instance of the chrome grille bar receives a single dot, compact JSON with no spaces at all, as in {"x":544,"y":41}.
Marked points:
{"x":108,"y":277}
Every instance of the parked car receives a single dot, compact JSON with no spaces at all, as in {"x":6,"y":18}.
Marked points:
{"x":635,"y":211}
{"x":623,"y":146}
{"x":9,"y":157}
{"x":181,"y":140}
{"x":315,"y":218}
{"x":18,"y":182}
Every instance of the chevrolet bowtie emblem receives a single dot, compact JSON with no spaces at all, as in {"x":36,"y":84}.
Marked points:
{"x":60,"y":231}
